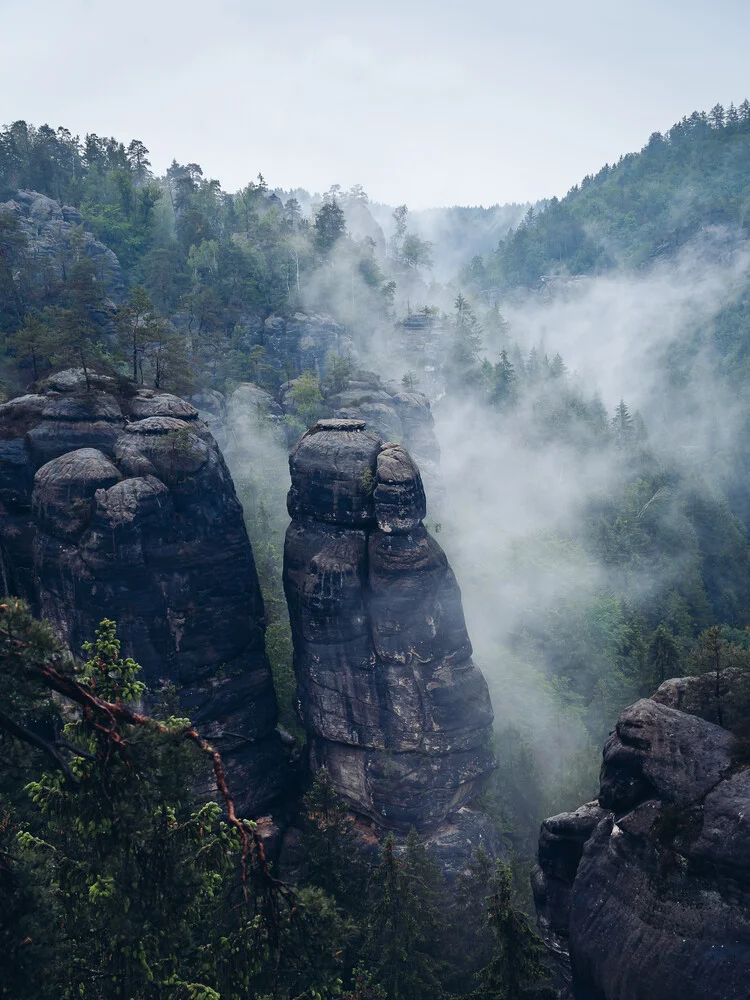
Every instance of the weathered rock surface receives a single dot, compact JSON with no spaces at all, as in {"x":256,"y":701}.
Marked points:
{"x":395,"y":707}
{"x":726,"y":703}
{"x":212,"y":410}
{"x":119,"y":504}
{"x":51,"y":232}
{"x":390,"y":413}
{"x":649,"y":888}
{"x":304,"y":341}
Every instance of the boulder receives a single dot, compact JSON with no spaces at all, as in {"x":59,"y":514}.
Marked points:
{"x":54,"y":238}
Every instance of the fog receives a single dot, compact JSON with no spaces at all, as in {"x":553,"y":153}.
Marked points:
{"x":510,"y":508}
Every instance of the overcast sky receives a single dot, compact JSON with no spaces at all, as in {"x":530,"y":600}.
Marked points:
{"x":471,"y":102}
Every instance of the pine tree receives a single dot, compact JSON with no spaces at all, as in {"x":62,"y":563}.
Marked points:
{"x":516,"y":971}
{"x":135,"y":324}
{"x":622,"y":425}
{"x":78,"y":340}
{"x":143,"y":882}
{"x":664,"y":654}
{"x":329,"y":227}
{"x":405,"y":918}
{"x":504,"y":392}
{"x":329,"y":843}
{"x":464,"y":367}
{"x":32,"y":343}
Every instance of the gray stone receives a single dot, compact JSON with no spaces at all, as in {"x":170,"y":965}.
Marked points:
{"x":54,"y":239}
{"x":650,"y":889}
{"x":146,"y":529}
{"x":395,"y":707}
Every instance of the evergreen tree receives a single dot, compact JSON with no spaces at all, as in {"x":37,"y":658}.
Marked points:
{"x":136,"y":889}
{"x":32,"y":343}
{"x":516,"y":971}
{"x":134,"y":327}
{"x":329,"y":227}
{"x":405,"y":917}
{"x":622,"y":425}
{"x":329,"y":843}
{"x":77,"y":339}
{"x":664,"y":654}
{"x":464,"y":367}
{"x":503,"y":393}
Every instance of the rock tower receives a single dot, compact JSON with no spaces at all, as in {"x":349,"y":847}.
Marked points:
{"x":115,"y":502}
{"x":394,"y":706}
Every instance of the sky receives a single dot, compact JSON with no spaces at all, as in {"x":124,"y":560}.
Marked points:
{"x":478,"y":102}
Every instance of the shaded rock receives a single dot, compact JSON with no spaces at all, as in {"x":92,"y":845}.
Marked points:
{"x":55,"y":238}
{"x":651,"y":892}
{"x":726,"y":703}
{"x":395,"y":707}
{"x":333,"y":473}
{"x":21,"y":415}
{"x":212,"y":410}
{"x":147,"y":531}
{"x":400,"y":504}
{"x":162,"y":404}
{"x":62,"y":500}
{"x":561,"y":842}
{"x":176,"y":451}
{"x":74,"y":380}
{"x":658,"y":752}
{"x":304,"y":341}
{"x":86,"y":420}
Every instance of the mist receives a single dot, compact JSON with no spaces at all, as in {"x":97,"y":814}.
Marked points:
{"x":513,"y":512}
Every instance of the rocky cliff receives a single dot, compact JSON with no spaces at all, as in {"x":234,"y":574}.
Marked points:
{"x":648,"y":888}
{"x":393,"y":704}
{"x":116,"y":502}
{"x":395,"y":415}
{"x":53,"y":235}
{"x":304,"y":341}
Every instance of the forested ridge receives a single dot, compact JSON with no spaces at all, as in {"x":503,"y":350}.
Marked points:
{"x":641,"y":208}
{"x":645,"y":575}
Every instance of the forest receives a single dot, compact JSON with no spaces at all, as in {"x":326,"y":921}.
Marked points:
{"x":600,"y":541}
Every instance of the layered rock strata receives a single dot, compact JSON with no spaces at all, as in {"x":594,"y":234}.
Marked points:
{"x":649,"y":888}
{"x":393,"y":704}
{"x":117,"y":503}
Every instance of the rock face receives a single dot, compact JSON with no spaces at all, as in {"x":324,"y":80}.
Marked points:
{"x":394,"y":415}
{"x":649,"y":888}
{"x":51,"y":231}
{"x":395,"y":707}
{"x":304,"y":341}
{"x":117,"y":503}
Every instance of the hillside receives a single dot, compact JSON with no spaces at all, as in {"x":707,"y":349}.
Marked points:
{"x":641,"y":208}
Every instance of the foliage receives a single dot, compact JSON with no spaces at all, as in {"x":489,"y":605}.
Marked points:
{"x":115,"y":838}
{"x":515,"y":971}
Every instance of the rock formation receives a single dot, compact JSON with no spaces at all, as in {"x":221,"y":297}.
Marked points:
{"x":117,"y":503}
{"x":304,"y":341}
{"x":649,"y":888}
{"x":50,"y":232}
{"x":391,"y":413}
{"x":393,"y":704}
